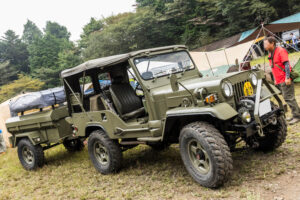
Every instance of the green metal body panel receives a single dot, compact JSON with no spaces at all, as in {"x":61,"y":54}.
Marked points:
{"x":221,"y":111}
{"x":47,"y":126}
{"x":112,"y":124}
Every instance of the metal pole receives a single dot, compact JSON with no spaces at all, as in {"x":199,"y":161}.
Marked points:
{"x":226,"y":57}
{"x":262,"y":26}
{"x":248,"y":54}
{"x":278,"y":38}
{"x":209,"y":64}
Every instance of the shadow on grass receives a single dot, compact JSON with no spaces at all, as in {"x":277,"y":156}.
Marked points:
{"x":248,"y":164}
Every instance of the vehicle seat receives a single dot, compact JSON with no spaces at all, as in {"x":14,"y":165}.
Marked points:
{"x":127,"y":103}
{"x":99,"y":102}
{"x":96,"y":103}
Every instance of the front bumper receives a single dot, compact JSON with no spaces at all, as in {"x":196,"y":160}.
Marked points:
{"x":254,"y":127}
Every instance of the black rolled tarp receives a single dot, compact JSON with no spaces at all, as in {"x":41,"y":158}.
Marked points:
{"x":37,"y":100}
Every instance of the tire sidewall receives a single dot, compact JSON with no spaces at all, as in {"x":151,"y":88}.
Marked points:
{"x":99,"y":137}
{"x":273,"y":140}
{"x":26,"y":143}
{"x":189,"y":134}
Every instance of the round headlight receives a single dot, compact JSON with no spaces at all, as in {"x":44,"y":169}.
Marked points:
{"x":227,"y":89}
{"x":246,"y":117}
{"x":253,"y":78}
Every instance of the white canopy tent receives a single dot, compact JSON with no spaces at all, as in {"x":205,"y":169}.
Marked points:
{"x":221,"y":57}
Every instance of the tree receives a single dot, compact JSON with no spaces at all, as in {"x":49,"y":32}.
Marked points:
{"x":12,"y":49}
{"x":69,"y":58}
{"x":47,"y":54}
{"x":88,"y":29}
{"x":22,"y":84}
{"x":9,"y":73}
{"x":56,"y":30}
{"x":131,"y":32}
{"x":31,"y":33}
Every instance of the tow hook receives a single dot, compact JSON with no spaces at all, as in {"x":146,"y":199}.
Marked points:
{"x":260,"y":131}
{"x":273,"y":120}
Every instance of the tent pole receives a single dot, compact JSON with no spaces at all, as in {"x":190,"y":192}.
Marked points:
{"x":226,"y":57}
{"x":209,"y":64}
{"x":279,"y":39}
{"x":262,"y":26}
{"x":248,"y":54}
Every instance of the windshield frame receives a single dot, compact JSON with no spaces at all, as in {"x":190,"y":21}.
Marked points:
{"x":164,"y":53}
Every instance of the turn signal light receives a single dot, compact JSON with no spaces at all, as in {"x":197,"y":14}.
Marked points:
{"x":211,"y":99}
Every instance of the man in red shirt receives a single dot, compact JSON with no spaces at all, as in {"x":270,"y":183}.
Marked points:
{"x":279,"y":61}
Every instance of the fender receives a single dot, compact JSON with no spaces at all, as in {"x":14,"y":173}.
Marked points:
{"x":221,"y":111}
{"x":91,"y":127}
{"x":30,"y":135}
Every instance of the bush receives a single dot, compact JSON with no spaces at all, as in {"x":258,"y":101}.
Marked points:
{"x":22,"y":84}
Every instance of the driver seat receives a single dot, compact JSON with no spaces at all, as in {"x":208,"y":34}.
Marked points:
{"x":127,"y":103}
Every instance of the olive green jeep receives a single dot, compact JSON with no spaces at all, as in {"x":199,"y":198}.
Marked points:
{"x":158,"y":97}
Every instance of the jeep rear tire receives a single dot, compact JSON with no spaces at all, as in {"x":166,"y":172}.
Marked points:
{"x":73,"y":145}
{"x":205,"y":154}
{"x":275,"y":135}
{"x":105,"y":153}
{"x":31,"y":156}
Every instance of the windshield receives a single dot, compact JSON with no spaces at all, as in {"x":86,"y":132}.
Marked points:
{"x":163,"y":64}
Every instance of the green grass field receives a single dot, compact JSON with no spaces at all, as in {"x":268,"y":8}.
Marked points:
{"x":147,"y":174}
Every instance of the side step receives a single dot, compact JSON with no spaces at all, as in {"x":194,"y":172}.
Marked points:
{"x":150,"y":139}
{"x":131,"y":143}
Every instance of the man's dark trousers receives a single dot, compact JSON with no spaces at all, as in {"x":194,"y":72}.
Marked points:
{"x":288,"y":92}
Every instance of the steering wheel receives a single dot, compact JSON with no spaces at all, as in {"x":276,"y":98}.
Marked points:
{"x":138,"y":90}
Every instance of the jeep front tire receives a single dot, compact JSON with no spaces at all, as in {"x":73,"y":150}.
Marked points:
{"x":275,"y":135}
{"x":205,"y":154}
{"x":31,"y":156}
{"x":105,"y":153}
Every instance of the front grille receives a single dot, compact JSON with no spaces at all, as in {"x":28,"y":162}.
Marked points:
{"x":238,"y":91}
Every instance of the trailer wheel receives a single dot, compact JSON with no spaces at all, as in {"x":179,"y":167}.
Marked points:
{"x":105,"y":153}
{"x":205,"y":155}
{"x":31,"y":156}
{"x":73,"y":145}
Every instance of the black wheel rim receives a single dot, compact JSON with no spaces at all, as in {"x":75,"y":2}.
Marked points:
{"x":27,"y":155}
{"x":199,"y":157}
{"x":101,"y":153}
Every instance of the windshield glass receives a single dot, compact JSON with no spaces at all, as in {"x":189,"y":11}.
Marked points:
{"x":163,"y":64}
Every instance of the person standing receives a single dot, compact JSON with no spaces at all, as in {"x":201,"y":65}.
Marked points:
{"x":2,"y":143}
{"x":294,"y":42}
{"x":281,"y":69}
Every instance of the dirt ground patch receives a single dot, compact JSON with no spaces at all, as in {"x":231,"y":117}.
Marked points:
{"x":147,"y":174}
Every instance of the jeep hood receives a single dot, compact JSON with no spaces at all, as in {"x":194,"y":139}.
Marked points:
{"x":193,"y":83}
